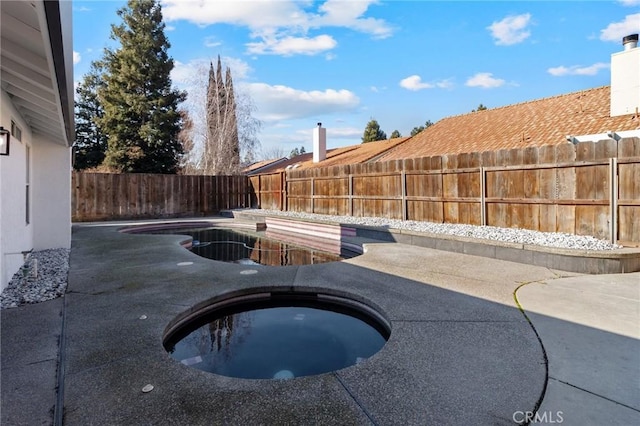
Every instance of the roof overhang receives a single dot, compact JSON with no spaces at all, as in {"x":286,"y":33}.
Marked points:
{"x":36,"y":65}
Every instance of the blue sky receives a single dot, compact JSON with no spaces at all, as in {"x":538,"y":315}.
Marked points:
{"x":343,"y":62}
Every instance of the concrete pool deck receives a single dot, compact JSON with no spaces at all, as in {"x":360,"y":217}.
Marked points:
{"x":461,"y":350}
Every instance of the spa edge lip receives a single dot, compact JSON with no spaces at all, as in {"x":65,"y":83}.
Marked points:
{"x":298,"y":333}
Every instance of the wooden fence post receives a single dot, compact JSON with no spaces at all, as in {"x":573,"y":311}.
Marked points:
{"x":350,"y":195}
{"x":283,"y":191}
{"x":403,"y":182}
{"x":312,"y":195}
{"x":483,"y":197}
{"x":613,"y":200}
{"x":259,"y":192}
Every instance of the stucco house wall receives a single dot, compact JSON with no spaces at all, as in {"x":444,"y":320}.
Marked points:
{"x":36,"y":94}
{"x":16,"y":235}
{"x":51,"y":212}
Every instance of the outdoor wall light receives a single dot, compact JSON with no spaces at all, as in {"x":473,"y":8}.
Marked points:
{"x":4,"y":141}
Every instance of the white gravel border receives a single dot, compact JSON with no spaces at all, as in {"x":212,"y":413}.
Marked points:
{"x":510,"y":235}
{"x":43,"y":277}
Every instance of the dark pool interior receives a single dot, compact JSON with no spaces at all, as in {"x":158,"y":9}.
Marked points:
{"x":252,"y":248}
{"x":280,"y":338}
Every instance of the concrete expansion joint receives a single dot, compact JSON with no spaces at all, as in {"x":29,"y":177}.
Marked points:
{"x":42,"y":361}
{"x":594,"y":394}
{"x":355,"y":399}
{"x":58,"y":407}
{"x":295,"y":277}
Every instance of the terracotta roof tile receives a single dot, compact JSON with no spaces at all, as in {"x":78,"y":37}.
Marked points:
{"x":535,"y":123}
{"x":353,"y":154}
{"x":356,"y":154}
{"x":260,"y":164}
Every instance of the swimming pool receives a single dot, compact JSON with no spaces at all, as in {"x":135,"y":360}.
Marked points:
{"x":252,"y":247}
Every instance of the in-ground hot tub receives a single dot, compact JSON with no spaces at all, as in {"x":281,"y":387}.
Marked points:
{"x":277,"y":334}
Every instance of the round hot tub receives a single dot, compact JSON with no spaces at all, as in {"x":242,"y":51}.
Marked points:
{"x":277,"y":335}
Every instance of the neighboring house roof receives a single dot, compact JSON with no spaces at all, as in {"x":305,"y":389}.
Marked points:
{"x":37,"y":65}
{"x":257,"y":167}
{"x":353,"y":154}
{"x":539,"y":122}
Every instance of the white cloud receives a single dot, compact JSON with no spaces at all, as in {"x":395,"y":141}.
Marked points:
{"x":349,"y":14}
{"x":630,"y":2}
{"x":211,"y":42}
{"x":277,"y":102}
{"x":252,"y":14}
{"x":484,"y":80}
{"x":169,"y":28}
{"x":196,"y":71}
{"x":182,"y":74}
{"x":577,"y":69}
{"x":616,"y":30}
{"x":288,"y":46}
{"x":239,"y":68}
{"x":332,"y":132}
{"x":344,"y":132}
{"x":415,"y":83}
{"x":76,"y":57}
{"x":281,"y":26}
{"x":511,"y":30}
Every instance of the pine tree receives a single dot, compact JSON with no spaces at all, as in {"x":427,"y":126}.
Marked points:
{"x":297,"y":151}
{"x":141,"y":113}
{"x":90,"y":143}
{"x":373,"y":133}
{"x":419,"y":129}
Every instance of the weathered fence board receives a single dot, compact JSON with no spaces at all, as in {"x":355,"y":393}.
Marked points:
{"x":556,"y":188}
{"x":268,"y":189}
{"x":108,"y":196}
{"x":560,"y":188}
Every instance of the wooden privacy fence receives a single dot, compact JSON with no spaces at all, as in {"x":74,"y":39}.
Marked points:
{"x":585,"y":189}
{"x":107,"y":196}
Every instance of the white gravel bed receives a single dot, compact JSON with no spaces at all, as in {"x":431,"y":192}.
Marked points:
{"x":43,"y":277}
{"x":511,"y":235}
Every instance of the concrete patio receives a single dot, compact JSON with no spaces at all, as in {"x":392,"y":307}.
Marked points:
{"x":462,"y":349}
